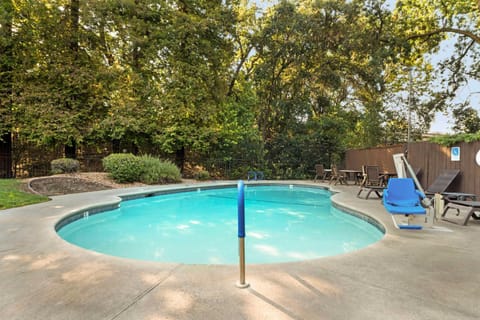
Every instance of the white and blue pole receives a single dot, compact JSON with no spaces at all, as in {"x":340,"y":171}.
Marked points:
{"x":241,"y":234}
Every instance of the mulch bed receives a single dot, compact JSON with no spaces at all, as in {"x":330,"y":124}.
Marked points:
{"x":53,"y":186}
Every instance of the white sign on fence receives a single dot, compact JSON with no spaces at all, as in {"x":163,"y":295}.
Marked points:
{"x":455,"y":153}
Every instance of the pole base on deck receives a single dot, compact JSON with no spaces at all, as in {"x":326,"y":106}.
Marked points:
{"x":242,"y":285}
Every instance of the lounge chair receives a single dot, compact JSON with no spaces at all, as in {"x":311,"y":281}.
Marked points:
{"x":337,"y":176}
{"x":372,"y":181}
{"x":442,"y":182}
{"x":416,"y":171}
{"x":472,"y":204}
{"x":402,"y":199}
{"x":320,"y":172}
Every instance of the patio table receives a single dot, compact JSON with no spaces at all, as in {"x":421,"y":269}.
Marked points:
{"x":352,"y":175}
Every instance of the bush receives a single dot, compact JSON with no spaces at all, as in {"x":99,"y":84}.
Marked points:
{"x":202,"y":175}
{"x":123,"y":167}
{"x":156,"y":171}
{"x":239,"y":172}
{"x":64,"y":165}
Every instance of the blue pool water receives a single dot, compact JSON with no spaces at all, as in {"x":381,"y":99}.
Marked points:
{"x":283,"y":223}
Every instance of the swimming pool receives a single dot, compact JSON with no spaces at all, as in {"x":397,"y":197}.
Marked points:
{"x":283,"y":223}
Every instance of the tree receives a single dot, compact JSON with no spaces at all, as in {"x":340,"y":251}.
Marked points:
{"x":59,"y":97}
{"x":200,"y":80}
{"x":195,"y":79}
{"x":245,"y":28}
{"x":6,"y":88}
{"x":466,"y":119}
{"x":424,"y":25}
{"x":132,"y":36}
{"x":317,"y":65}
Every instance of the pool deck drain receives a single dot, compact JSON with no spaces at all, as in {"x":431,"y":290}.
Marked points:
{"x":407,"y":275}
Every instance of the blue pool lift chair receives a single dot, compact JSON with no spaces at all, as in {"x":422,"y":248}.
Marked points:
{"x":403,"y":201}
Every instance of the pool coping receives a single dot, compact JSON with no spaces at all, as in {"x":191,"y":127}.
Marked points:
{"x":406,"y":275}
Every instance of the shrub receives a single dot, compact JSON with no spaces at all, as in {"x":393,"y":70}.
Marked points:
{"x":239,"y":172}
{"x":156,"y":171}
{"x":64,"y":165}
{"x":123,"y":167}
{"x":202,"y":175}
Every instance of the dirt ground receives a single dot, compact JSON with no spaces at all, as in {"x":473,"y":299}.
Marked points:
{"x":74,"y":183}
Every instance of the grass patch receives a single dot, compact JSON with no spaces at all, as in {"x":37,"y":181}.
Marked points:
{"x":12,"y":195}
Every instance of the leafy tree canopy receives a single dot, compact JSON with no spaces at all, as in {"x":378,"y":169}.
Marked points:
{"x":213,"y":82}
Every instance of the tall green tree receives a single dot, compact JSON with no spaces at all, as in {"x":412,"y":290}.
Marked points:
{"x":60,"y":96}
{"x":172,"y":62}
{"x":195,"y":79}
{"x":318,"y":66}
{"x":235,"y":141}
{"x":6,"y":87}
{"x":132,"y":39}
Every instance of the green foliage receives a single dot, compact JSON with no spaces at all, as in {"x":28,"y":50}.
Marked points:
{"x":64,"y":165}
{"x":123,"y":167}
{"x":293,"y":155}
{"x":239,"y":172}
{"x":58,"y":72}
{"x":236,"y":137}
{"x":197,"y":52}
{"x":217,"y":84}
{"x":466,"y":119}
{"x":320,"y":80}
{"x":156,"y":171}
{"x":126,"y":167}
{"x":12,"y":195}
{"x":451,"y":140}
{"x":422,"y":26}
{"x":7,"y":62}
{"x":202,"y":175}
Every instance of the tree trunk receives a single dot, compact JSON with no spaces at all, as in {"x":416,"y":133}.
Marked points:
{"x":180,"y":158}
{"x":6,"y":156}
{"x":116,"y":146}
{"x":74,"y":23}
{"x":71,"y":150}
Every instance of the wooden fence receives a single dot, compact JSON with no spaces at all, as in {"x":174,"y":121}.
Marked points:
{"x":381,"y":156}
{"x":431,"y":158}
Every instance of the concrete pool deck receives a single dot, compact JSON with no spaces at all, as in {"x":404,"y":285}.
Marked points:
{"x":407,"y":275}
